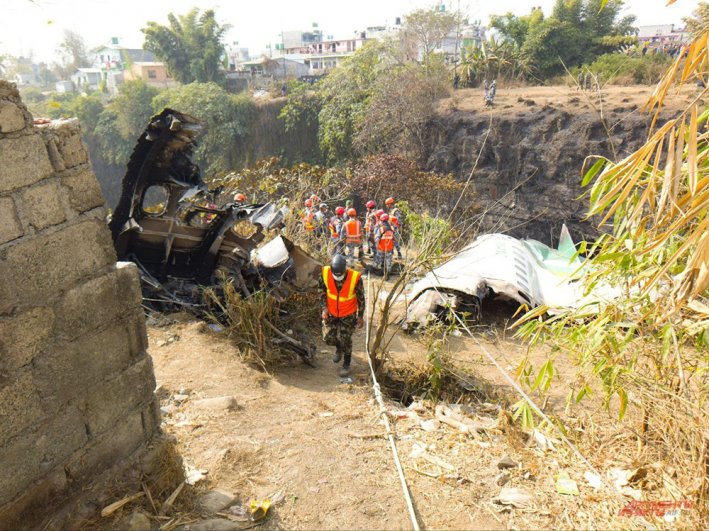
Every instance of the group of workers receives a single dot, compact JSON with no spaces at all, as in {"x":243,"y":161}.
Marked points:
{"x":346,"y":234}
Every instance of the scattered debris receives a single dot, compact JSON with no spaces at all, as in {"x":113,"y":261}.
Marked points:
{"x":430,"y":425}
{"x":326,"y":414}
{"x":566,"y":485}
{"x":593,"y":479}
{"x":193,"y":475}
{"x":453,"y":418}
{"x":507,"y":462}
{"x":502,"y":479}
{"x":542,"y":441}
{"x":215,"y":328}
{"x":514,"y":497}
{"x":259,"y":509}
{"x":218,"y":403}
{"x":110,"y":509}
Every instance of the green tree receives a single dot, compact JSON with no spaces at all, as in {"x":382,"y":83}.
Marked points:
{"x":190,"y":45}
{"x":514,"y":28}
{"x":698,"y":23}
{"x":73,"y":50}
{"x":226,"y":118}
{"x":424,"y":31}
{"x":133,"y":107}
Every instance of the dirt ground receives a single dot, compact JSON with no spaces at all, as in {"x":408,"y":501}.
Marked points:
{"x":301,"y":435}
{"x":615,"y":102}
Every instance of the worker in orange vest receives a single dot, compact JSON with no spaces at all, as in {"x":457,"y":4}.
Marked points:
{"x":370,"y":222}
{"x":395,"y":218}
{"x":352,"y":234}
{"x":309,"y":216}
{"x":335,"y":226}
{"x":385,"y":238}
{"x":342,"y":305}
{"x":239,"y":198}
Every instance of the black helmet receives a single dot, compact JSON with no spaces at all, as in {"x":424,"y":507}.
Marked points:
{"x":339,"y":265}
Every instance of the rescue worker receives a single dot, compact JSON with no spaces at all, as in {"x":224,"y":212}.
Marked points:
{"x":335,"y":227}
{"x":308,"y":217}
{"x":239,"y":198}
{"x":321,"y":221}
{"x":384,"y":237}
{"x":352,"y":234}
{"x":369,"y":224}
{"x":342,"y":306}
{"x":395,"y":218}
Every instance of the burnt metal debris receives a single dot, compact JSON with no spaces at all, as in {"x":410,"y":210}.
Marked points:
{"x":167,"y":223}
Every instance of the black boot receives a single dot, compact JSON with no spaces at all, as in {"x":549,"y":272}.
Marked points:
{"x":337,"y":358}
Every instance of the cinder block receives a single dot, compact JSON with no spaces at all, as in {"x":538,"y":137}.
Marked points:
{"x":138,"y":335}
{"x":24,"y":162}
{"x":83,"y":188}
{"x":66,"y":135}
{"x":96,"y":358}
{"x":23,"y":336}
{"x":20,"y":406}
{"x":107,"y":450}
{"x":37,"y":269}
{"x":10,"y":227}
{"x":42,"y":206}
{"x":129,"y":391}
{"x":97,"y":302}
{"x":12,"y":117}
{"x":33,"y":455}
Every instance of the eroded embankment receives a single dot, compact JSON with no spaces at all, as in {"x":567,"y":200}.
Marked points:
{"x":528,"y":151}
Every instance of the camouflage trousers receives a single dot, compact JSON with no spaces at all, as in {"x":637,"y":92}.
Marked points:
{"x":350,"y":253}
{"x":338,"y":333}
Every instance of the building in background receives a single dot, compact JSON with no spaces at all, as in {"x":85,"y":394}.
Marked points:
{"x":88,"y":79}
{"x":662,"y":34}
{"x":152,"y":73}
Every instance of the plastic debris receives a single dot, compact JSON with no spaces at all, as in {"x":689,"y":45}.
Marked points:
{"x":593,"y":479}
{"x":193,"y":475}
{"x":259,"y":509}
{"x":215,"y":328}
{"x":566,"y":485}
{"x":326,"y":414}
{"x":514,"y":497}
{"x":430,"y":425}
{"x":542,"y":441}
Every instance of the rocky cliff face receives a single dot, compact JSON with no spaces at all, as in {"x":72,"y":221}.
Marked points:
{"x":530,"y":149}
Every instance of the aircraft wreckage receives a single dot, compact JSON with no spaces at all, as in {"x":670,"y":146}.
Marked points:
{"x":181,"y":247}
{"x":500,"y":266}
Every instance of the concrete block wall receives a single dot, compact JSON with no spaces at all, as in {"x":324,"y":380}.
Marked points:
{"x":76,"y":383}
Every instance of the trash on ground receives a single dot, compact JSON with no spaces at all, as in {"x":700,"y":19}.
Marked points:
{"x":566,"y":485}
{"x":593,"y":479}
{"x":193,"y":475}
{"x":430,"y":425}
{"x":259,"y":509}
{"x":514,"y":497}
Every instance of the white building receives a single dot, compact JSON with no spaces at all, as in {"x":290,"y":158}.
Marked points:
{"x":662,"y":34}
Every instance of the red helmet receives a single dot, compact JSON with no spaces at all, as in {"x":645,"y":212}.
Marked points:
{"x":352,"y":213}
{"x":308,"y":203}
{"x":239,"y":197}
{"x":314,"y":198}
{"x":371,"y":204}
{"x":340,"y":210}
{"x":384,"y":217}
{"x":379,"y":213}
{"x":389,"y":201}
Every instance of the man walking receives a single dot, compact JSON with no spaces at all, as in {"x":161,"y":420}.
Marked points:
{"x":352,"y":234}
{"x":342,"y":304}
{"x":385,"y":239}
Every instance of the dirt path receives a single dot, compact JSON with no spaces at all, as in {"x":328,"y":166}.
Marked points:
{"x":300,"y":432}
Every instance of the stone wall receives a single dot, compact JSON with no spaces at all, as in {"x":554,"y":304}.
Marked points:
{"x":76,"y":383}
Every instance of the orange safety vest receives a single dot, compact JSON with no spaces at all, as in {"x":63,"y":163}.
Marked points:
{"x":344,"y":302}
{"x":394,"y":221}
{"x":386,"y":241}
{"x":353,"y":231}
{"x":308,"y":220}
{"x":334,"y":234}
{"x":370,"y":223}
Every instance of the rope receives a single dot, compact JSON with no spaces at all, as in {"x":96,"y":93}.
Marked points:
{"x":385,"y":420}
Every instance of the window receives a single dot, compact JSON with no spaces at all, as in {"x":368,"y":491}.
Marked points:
{"x":152,"y":74}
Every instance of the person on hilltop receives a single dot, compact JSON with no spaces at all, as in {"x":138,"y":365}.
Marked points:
{"x":342,"y":305}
